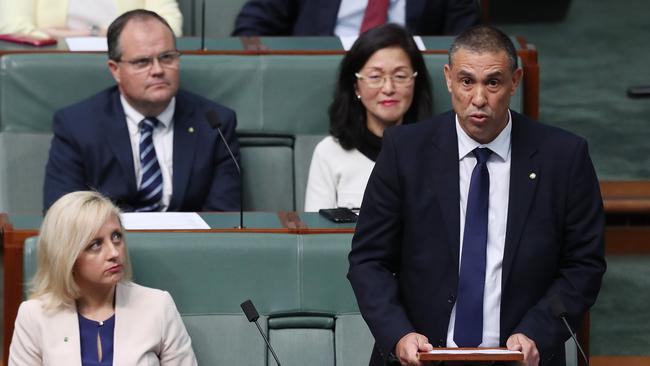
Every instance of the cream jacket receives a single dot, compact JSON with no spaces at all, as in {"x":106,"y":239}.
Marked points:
{"x":148,"y":331}
{"x":337,"y":177}
{"x":27,"y":16}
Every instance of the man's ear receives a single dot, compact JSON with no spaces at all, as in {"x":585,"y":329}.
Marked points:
{"x":114,"y":69}
{"x":447,"y":71}
{"x":516,"y":79}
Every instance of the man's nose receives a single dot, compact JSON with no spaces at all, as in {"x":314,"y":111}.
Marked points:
{"x":480,"y":97}
{"x":156,"y":66}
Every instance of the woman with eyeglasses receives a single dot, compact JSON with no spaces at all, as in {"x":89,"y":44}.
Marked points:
{"x":83,"y":309}
{"x":382,"y":82}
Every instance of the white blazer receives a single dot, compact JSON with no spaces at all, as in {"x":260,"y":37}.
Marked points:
{"x":148,"y":331}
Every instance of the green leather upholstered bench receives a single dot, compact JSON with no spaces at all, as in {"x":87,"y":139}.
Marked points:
{"x":297,"y":283}
{"x":277,"y":99}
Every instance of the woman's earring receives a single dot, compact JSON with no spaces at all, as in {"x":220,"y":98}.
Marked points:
{"x":359,"y":96}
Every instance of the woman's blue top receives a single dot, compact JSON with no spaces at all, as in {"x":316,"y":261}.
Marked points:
{"x":90,"y":331}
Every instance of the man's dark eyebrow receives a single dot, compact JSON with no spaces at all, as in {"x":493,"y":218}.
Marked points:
{"x":495,"y":74}
{"x":463,"y":73}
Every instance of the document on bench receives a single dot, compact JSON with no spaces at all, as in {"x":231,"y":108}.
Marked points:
{"x":471,"y":354}
{"x":464,"y":351}
{"x":348,"y":41}
{"x":95,"y":44}
{"x":163,"y":221}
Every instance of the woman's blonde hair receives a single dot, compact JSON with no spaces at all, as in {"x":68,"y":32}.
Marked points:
{"x":69,"y":226}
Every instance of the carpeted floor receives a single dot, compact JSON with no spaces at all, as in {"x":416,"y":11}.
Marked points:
{"x":620,"y":320}
{"x":587,"y":63}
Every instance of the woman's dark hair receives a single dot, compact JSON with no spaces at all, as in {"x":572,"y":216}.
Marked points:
{"x":347,"y":114}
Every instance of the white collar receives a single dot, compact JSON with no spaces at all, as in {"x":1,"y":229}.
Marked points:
{"x":500,"y":146}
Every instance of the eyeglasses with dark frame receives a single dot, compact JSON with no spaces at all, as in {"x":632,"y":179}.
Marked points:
{"x":399,"y":78}
{"x":168,"y":60}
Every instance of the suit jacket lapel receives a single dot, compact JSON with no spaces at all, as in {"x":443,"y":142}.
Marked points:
{"x":120,"y":333}
{"x":117,"y":134}
{"x":185,"y":134}
{"x":524,"y":174}
{"x":445,"y":172}
{"x":327,"y":18}
{"x":414,"y":10}
{"x":66,"y":331}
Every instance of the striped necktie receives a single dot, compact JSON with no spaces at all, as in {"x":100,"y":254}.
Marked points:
{"x":151,"y":185}
{"x":468,"y":329}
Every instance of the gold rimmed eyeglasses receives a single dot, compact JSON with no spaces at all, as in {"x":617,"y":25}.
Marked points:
{"x":378,"y":80}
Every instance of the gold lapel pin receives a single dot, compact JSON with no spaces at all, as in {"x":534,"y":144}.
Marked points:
{"x":532,"y":176}
{"x":190,"y":130}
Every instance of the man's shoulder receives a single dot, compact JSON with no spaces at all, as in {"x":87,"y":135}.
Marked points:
{"x":542,"y":132}
{"x":93,"y":103}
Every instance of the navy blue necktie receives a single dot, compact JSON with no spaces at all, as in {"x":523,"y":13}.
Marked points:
{"x":151,"y":185}
{"x":468,"y":329}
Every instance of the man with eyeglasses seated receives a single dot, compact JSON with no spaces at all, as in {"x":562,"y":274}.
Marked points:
{"x":144,"y":143}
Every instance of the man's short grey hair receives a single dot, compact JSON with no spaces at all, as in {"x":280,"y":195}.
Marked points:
{"x":484,"y":39}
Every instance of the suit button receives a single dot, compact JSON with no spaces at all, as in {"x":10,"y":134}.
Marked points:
{"x":441,"y":343}
{"x":451,"y":299}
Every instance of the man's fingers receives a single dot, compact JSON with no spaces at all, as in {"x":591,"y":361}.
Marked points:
{"x":519,"y":342}
{"x":423,"y":344}
{"x":407,"y":348}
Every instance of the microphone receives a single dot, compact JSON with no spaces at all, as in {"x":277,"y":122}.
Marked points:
{"x":213,"y":121}
{"x":559,"y":311}
{"x":203,"y":26}
{"x":252,"y":316}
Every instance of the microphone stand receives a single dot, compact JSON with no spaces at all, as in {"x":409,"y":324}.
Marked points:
{"x":213,"y":120}
{"x":203,"y":26}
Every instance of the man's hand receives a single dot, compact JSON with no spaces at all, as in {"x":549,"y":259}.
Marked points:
{"x":519,"y":342}
{"x":408,"y":347}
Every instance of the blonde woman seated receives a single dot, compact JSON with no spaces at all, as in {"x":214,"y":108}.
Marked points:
{"x":83,"y":310}
{"x":382,"y":82}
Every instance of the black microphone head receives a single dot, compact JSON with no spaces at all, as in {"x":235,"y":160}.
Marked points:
{"x":249,"y":310}
{"x":557,"y":307}
{"x":213,"y":119}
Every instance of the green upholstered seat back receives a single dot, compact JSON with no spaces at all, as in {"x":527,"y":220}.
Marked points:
{"x":277,"y":99}
{"x":297,"y":282}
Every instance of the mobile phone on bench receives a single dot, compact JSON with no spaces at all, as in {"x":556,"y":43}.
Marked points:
{"x":338,"y":215}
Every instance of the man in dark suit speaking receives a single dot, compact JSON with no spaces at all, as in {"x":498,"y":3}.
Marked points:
{"x":474,"y":220}
{"x":144,"y":143}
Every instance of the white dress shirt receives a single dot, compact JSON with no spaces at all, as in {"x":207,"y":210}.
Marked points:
{"x":499,"y":168}
{"x":163,"y":142}
{"x":350,"y":16}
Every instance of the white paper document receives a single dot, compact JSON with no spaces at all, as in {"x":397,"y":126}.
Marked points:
{"x":348,"y":41}
{"x":163,"y":221}
{"x":475,"y":351}
{"x":87,"y":44}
